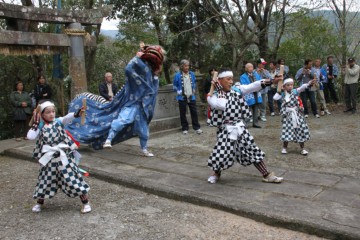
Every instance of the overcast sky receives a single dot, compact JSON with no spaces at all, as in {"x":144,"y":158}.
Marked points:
{"x":109,"y":25}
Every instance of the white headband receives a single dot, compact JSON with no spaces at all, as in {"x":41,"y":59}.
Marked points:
{"x":288,"y":80}
{"x":226,"y":74}
{"x":45,"y":105}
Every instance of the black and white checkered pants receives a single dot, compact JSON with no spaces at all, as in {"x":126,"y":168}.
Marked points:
{"x":226,"y":151}
{"x":55,"y":175}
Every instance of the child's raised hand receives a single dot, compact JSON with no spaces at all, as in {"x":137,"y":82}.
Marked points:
{"x":80,"y":112}
{"x":36,"y":116}
{"x":312,"y":82}
{"x":267,"y":82}
{"x":215,"y":77}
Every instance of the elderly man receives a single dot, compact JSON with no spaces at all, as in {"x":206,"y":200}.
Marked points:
{"x":352,"y":71}
{"x":184,"y":84}
{"x":253,"y":99}
{"x":107,"y":88}
{"x":265,"y":74}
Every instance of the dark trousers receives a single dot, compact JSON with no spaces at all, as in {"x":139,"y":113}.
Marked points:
{"x":305,"y":95}
{"x":271,"y":100}
{"x":193,"y":114}
{"x":329,"y":91}
{"x":255,"y":113}
{"x":351,"y":95}
{"x":21,"y":127}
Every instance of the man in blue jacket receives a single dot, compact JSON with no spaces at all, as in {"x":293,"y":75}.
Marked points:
{"x":185,"y":85}
{"x":254,"y":100}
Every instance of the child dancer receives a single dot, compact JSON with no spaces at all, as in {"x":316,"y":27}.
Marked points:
{"x":55,"y":151}
{"x":294,"y":127}
{"x":234,"y":142}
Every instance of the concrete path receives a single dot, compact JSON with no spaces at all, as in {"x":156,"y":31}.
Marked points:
{"x":324,"y":204}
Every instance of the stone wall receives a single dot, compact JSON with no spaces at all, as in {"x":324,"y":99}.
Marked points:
{"x":167,"y":114}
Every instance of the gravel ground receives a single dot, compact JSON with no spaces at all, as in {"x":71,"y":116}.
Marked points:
{"x":334,"y":145}
{"x":118,"y":213}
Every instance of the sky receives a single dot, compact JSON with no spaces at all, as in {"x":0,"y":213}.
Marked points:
{"x":109,"y":24}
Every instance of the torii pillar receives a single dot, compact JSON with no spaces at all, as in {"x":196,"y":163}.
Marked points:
{"x":77,"y":68}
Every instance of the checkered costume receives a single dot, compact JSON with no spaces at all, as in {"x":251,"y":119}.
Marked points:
{"x":226,"y":151}
{"x":54,"y":174}
{"x":289,"y":133}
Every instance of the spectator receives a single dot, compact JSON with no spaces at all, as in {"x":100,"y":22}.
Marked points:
{"x":21,"y":103}
{"x":264,"y":74}
{"x":107,"y":88}
{"x":42,"y":91}
{"x":281,"y":61}
{"x":352,"y":71}
{"x":318,"y":72}
{"x":207,"y":82}
{"x":185,"y":84}
{"x":303,"y":76}
{"x":273,"y":88}
{"x":332,"y":72}
{"x":252,"y":99}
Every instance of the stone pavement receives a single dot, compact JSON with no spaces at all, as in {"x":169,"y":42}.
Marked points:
{"x":324,"y":204}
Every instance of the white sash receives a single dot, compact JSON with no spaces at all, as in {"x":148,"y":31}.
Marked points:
{"x":294,"y":116}
{"x":49,"y":152}
{"x":235,"y":130}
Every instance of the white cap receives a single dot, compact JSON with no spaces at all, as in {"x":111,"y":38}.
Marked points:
{"x":45,"y":105}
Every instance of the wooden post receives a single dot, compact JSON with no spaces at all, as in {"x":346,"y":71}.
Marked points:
{"x":77,"y":59}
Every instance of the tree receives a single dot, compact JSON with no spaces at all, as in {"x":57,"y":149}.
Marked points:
{"x":348,"y":20}
{"x":150,"y":12}
{"x":306,"y":37}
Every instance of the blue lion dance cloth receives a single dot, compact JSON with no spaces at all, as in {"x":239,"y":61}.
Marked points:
{"x":128,"y":115}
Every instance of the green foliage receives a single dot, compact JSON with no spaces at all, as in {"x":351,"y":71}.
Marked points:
{"x":12,"y":70}
{"x":307,"y":38}
{"x":135,"y":32}
{"x":111,"y":57}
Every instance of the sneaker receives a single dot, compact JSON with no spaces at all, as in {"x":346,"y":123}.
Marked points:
{"x":185,"y":132}
{"x":283,"y":151}
{"x":263,"y":118}
{"x":272,"y":114}
{"x":107,"y":144}
{"x":36,"y":208}
{"x":322,"y":113}
{"x":317,"y":116}
{"x":306,"y":116}
{"x":251,"y":120}
{"x":86,"y":208}
{"x":213,"y":179}
{"x":304,"y":152}
{"x":147,"y":153}
{"x":271,"y":178}
{"x":327,"y":112}
{"x":199,"y":131}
